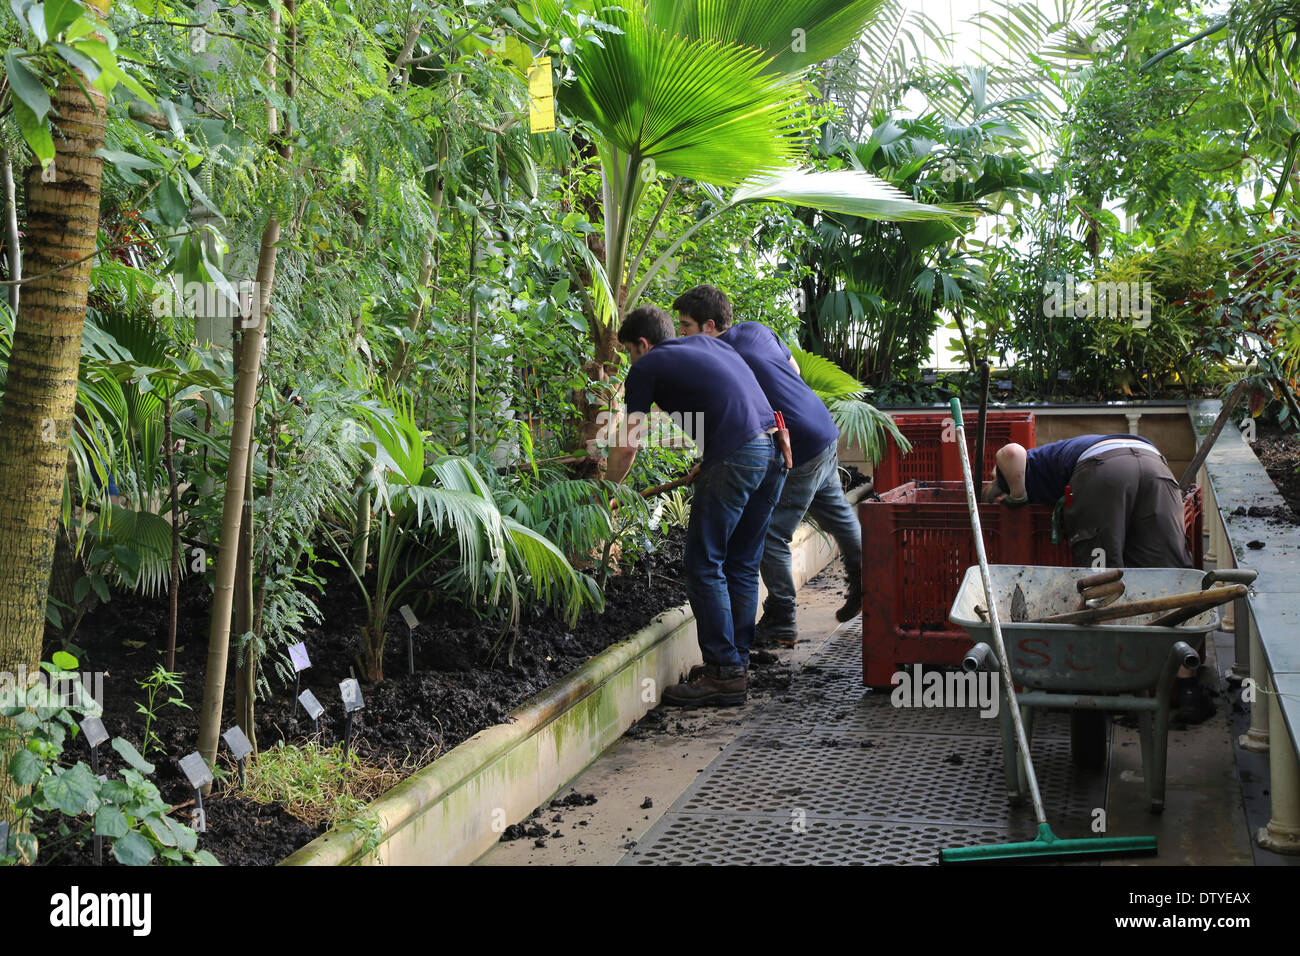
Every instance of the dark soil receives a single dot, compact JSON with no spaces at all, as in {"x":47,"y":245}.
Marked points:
{"x":851,"y":477}
{"x":453,"y":694}
{"x":1279,"y":452}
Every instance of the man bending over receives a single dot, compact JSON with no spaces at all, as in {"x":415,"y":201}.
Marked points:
{"x":739,"y":482}
{"x":813,"y":484}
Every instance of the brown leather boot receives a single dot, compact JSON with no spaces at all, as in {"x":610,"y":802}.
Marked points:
{"x":697,"y":671}
{"x":713,"y":687}
{"x":853,"y":599}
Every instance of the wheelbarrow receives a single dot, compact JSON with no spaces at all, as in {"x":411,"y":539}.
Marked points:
{"x":1125,"y":666}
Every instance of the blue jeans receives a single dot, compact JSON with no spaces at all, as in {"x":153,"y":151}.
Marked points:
{"x":730,"y":510}
{"x":813,"y":488}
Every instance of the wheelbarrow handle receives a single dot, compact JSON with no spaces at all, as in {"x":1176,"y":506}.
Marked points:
{"x":1186,"y":655}
{"x":1229,"y":576}
{"x":977,"y":658}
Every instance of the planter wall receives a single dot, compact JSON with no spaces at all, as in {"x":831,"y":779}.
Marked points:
{"x":453,"y":811}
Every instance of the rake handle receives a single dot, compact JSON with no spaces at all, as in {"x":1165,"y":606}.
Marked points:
{"x":670,"y":485}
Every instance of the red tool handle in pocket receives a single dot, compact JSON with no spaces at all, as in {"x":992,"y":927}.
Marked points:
{"x":783,"y":440}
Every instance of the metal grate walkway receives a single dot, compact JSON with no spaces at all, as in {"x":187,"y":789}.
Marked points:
{"x":832,"y":773}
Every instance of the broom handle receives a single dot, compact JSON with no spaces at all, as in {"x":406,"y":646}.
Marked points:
{"x":972,"y":504}
{"x":982,"y":424}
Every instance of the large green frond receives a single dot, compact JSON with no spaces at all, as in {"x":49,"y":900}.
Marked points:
{"x":475,"y":522}
{"x":549,"y":575}
{"x":701,"y":108}
{"x":864,"y":426}
{"x":826,"y":378}
{"x":850,"y":191}
{"x":795,"y":33}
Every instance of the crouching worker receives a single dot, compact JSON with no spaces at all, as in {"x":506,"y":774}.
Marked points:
{"x":812,"y":485}
{"x":1126,"y":503}
{"x":1126,"y":506}
{"x":740,"y":479}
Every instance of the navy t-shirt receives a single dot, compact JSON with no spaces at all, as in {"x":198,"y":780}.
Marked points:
{"x":811,"y":426}
{"x":699,"y":376}
{"x":1048,"y":468}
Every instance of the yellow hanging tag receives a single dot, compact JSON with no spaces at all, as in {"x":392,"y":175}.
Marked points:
{"x":541,"y":97}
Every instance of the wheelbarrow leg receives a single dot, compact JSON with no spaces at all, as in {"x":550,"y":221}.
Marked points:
{"x":1155,"y":727}
{"x":1022,"y":778}
{"x":1154,"y":733}
{"x":1010,"y":759}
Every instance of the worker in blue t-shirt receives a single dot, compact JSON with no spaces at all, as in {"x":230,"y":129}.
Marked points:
{"x":812,"y":485}
{"x":1126,"y":506}
{"x":1126,"y":503}
{"x":739,"y":482}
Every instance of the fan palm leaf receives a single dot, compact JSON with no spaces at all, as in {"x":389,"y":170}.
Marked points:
{"x":794,"y":35}
{"x":825,"y":378}
{"x":699,"y":108}
{"x":864,"y":426}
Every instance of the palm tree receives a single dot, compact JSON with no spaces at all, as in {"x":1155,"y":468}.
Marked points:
{"x":36,"y":413}
{"x":712,"y":91}
{"x":874,"y":289}
{"x":444,"y":511}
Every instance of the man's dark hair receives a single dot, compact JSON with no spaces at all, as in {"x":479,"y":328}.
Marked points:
{"x":648,"y":322}
{"x":703,"y":303}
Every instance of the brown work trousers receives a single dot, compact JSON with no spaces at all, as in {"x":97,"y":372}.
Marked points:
{"x":1127,"y":503}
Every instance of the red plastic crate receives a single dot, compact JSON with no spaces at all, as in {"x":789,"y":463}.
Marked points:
{"x":917,"y":545}
{"x":933,"y":459}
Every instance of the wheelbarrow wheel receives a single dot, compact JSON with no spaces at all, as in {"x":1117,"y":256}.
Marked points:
{"x":1088,"y":739}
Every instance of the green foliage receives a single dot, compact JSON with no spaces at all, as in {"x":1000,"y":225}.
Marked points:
{"x":58,"y":40}
{"x":164,"y":683}
{"x":128,"y":812}
{"x":444,"y":514}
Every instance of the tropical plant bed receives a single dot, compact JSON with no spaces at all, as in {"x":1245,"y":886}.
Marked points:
{"x":408,"y":720}
{"x":1279,"y":453}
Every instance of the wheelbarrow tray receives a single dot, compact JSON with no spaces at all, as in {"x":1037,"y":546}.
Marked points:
{"x":1121,"y":657}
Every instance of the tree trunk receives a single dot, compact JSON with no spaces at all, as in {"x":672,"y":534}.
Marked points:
{"x":245,"y":673}
{"x":36,"y":414}
{"x":174,"y":582}
{"x":273,"y":443}
{"x":12,"y":243}
{"x":598,"y":369}
{"x":214,"y":687}
{"x":472,"y":417}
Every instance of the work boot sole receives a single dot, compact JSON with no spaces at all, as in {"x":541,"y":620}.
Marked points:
{"x":851,"y":609}
{"x":783,"y":635}
{"x":713,"y":700}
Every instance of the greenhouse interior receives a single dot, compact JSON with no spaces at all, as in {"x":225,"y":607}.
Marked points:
{"x":639,"y":433}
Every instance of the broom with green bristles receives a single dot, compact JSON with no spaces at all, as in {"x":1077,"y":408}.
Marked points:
{"x":1046,"y":846}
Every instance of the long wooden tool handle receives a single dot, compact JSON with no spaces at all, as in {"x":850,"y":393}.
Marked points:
{"x":669,"y":486}
{"x":1174,"y":618}
{"x":981,"y":426}
{"x":1210,"y":598}
{"x":1203,"y":452}
{"x":1102,"y":577}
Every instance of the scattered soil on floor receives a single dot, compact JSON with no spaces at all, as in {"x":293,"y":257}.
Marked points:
{"x":1279,"y":452}
{"x":454,"y":693}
